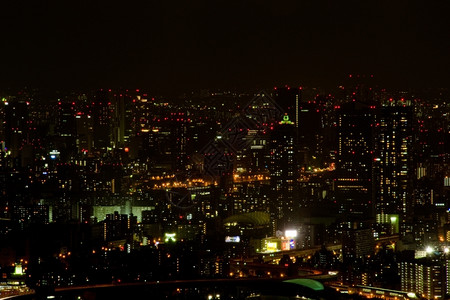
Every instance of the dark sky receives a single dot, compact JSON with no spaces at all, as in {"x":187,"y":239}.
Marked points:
{"x":172,"y":45}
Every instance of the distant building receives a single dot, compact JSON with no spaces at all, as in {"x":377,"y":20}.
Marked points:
{"x":66,"y":126}
{"x":284,"y":170}
{"x":393,"y":165}
{"x":353,"y":183}
{"x":357,"y":243}
{"x":85,"y":133}
{"x":101,"y":114}
{"x":17,"y":128}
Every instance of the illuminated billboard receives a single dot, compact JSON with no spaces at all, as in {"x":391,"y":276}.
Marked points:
{"x":272,"y":244}
{"x":232,"y":239}
{"x":287,"y":244}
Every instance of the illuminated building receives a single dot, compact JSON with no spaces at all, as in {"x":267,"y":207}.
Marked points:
{"x":66,"y":126}
{"x":4,"y":174}
{"x":425,"y":230}
{"x":16,"y":127}
{"x":85,"y":130}
{"x":311,"y":132}
{"x":30,"y":215}
{"x":353,"y":183}
{"x":427,"y":277}
{"x":308,"y":235}
{"x":66,"y":129}
{"x":432,"y":136}
{"x":392,"y":165}
{"x":256,"y":153}
{"x":357,"y":243}
{"x":250,"y":193}
{"x":284,"y":170}
{"x":101,"y":115}
{"x":120,"y":102}
{"x":116,"y":227}
{"x":165,"y":143}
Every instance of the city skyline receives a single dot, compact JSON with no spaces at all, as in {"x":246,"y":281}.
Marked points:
{"x":225,"y":149}
{"x":124,"y":187}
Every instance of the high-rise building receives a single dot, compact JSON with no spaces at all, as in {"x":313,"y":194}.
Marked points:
{"x":16,"y":126}
{"x":84,"y":126}
{"x":357,"y":243}
{"x":102,"y":120}
{"x":393,"y":166}
{"x":284,"y":170}
{"x":66,"y":126}
{"x":353,"y":182}
{"x":119,"y":123}
{"x":310,"y":132}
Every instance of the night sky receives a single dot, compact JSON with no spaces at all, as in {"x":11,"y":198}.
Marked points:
{"x":175,"y":46}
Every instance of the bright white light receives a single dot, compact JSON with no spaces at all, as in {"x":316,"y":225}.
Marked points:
{"x":429,"y":249}
{"x":290,"y":233}
{"x":446,"y":250}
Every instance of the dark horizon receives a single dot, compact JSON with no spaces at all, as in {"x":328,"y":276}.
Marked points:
{"x":177,"y":47}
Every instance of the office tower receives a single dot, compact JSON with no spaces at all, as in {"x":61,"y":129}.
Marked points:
{"x":85,"y":133}
{"x":16,"y":126}
{"x":3,"y":163}
{"x":392,"y":167}
{"x":66,"y":119}
{"x":165,"y":144}
{"x":357,"y":243}
{"x":66,"y":129}
{"x":102,"y":120}
{"x":119,"y":125}
{"x":3,"y":103}
{"x":430,"y":148}
{"x":4,"y":174}
{"x":310,"y":128}
{"x":284,"y":170}
{"x":255,"y":156}
{"x":139,"y":127}
{"x":353,"y":182}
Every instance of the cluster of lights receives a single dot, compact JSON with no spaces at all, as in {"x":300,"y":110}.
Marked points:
{"x":430,"y":250}
{"x":256,"y":177}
